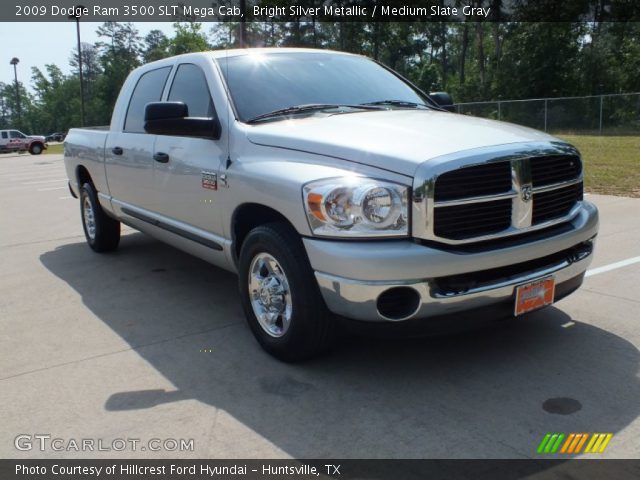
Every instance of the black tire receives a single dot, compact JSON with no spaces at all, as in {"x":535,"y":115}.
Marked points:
{"x":312,"y":327}
{"x":106,"y":230}
{"x":35,"y":149}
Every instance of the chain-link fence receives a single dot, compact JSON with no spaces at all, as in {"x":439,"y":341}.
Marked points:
{"x":617,"y":114}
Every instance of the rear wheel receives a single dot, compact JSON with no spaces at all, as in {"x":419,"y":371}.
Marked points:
{"x":36,"y":149}
{"x":280,"y":295}
{"x":101,"y":231}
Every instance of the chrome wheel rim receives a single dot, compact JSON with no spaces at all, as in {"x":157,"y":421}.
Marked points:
{"x":89,"y":218}
{"x":270,"y":295}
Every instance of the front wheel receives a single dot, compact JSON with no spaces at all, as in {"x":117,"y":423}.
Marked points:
{"x":101,"y":231}
{"x":36,"y":149}
{"x":280,"y":296}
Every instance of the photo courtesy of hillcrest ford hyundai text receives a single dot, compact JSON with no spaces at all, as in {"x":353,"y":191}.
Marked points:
{"x":337,"y":191}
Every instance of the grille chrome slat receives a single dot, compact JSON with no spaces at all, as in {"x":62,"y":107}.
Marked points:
{"x":556,"y":186}
{"x":523,"y":188}
{"x":482,"y":199}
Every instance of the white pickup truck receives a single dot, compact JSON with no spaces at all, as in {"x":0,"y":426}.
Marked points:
{"x":335,"y":189}
{"x":16,"y":141}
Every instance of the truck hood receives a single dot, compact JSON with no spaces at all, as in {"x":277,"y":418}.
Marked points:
{"x":395,"y":140}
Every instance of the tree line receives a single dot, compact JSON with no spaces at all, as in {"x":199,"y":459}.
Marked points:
{"x":474,"y":61}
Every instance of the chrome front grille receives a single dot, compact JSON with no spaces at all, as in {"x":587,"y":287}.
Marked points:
{"x":489,"y":179}
{"x":510,"y":190}
{"x":555,"y":169}
{"x":463,"y":221}
{"x":555,"y":203}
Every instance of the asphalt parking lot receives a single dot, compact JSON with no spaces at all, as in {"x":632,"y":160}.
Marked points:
{"x":151,"y":343}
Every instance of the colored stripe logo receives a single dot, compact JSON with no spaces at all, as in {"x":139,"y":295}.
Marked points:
{"x":573,"y":443}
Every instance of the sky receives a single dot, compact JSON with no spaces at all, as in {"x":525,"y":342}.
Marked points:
{"x":36,"y":44}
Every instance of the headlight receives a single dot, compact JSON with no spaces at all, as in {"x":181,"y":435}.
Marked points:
{"x":357,"y":207}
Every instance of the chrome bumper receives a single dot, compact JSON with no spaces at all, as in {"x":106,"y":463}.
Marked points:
{"x":399,"y":262}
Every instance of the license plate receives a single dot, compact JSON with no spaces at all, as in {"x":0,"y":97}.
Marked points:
{"x":534,"y":295}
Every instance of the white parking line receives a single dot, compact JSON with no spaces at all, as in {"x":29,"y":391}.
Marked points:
{"x":15,"y":176}
{"x":49,"y":189}
{"x":612,"y":266}
{"x":27,"y":173}
{"x":31,"y":169}
{"x":44,"y":181}
{"x":65,"y":198}
{"x":33,"y":176}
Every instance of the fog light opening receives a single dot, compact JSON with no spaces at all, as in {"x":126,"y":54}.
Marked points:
{"x":398,"y":303}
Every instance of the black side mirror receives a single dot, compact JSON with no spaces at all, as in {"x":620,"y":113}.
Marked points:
{"x":165,"y":110}
{"x":172,"y":118}
{"x":443,"y":99}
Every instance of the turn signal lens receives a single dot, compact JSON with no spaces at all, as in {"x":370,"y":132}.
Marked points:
{"x":314,"y":203}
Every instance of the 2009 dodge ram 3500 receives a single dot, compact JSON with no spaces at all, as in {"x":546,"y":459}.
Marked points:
{"x":334,"y":187}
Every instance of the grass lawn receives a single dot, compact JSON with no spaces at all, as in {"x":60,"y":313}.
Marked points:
{"x":57,"y":148}
{"x":611,"y":164}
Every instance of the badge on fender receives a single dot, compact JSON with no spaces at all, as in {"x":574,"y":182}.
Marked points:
{"x":210,"y":180}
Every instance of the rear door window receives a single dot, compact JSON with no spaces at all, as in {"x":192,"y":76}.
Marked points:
{"x":190,"y":86}
{"x":148,"y":89}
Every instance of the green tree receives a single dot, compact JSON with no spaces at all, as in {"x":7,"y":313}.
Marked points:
{"x":188,"y":38}
{"x":56,"y":103}
{"x":119,"y":55}
{"x":226,"y":35}
{"x":5,"y":113}
{"x":540,"y":60}
{"x":156,"y":46}
{"x":9,"y":106}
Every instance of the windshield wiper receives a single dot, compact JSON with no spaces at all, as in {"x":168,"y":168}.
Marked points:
{"x":310,"y":107}
{"x":397,"y":103}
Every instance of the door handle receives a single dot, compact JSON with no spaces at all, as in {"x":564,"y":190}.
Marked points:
{"x":117,"y":150}
{"x":161,"y":157}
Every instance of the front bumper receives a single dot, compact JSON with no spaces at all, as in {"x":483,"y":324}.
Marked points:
{"x":355,"y":277}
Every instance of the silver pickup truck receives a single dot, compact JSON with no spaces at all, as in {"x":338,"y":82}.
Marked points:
{"x":335,"y":189}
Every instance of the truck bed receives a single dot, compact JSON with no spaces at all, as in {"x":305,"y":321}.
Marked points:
{"x":86,"y":146}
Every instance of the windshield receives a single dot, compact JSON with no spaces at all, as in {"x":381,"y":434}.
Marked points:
{"x":260,"y":83}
